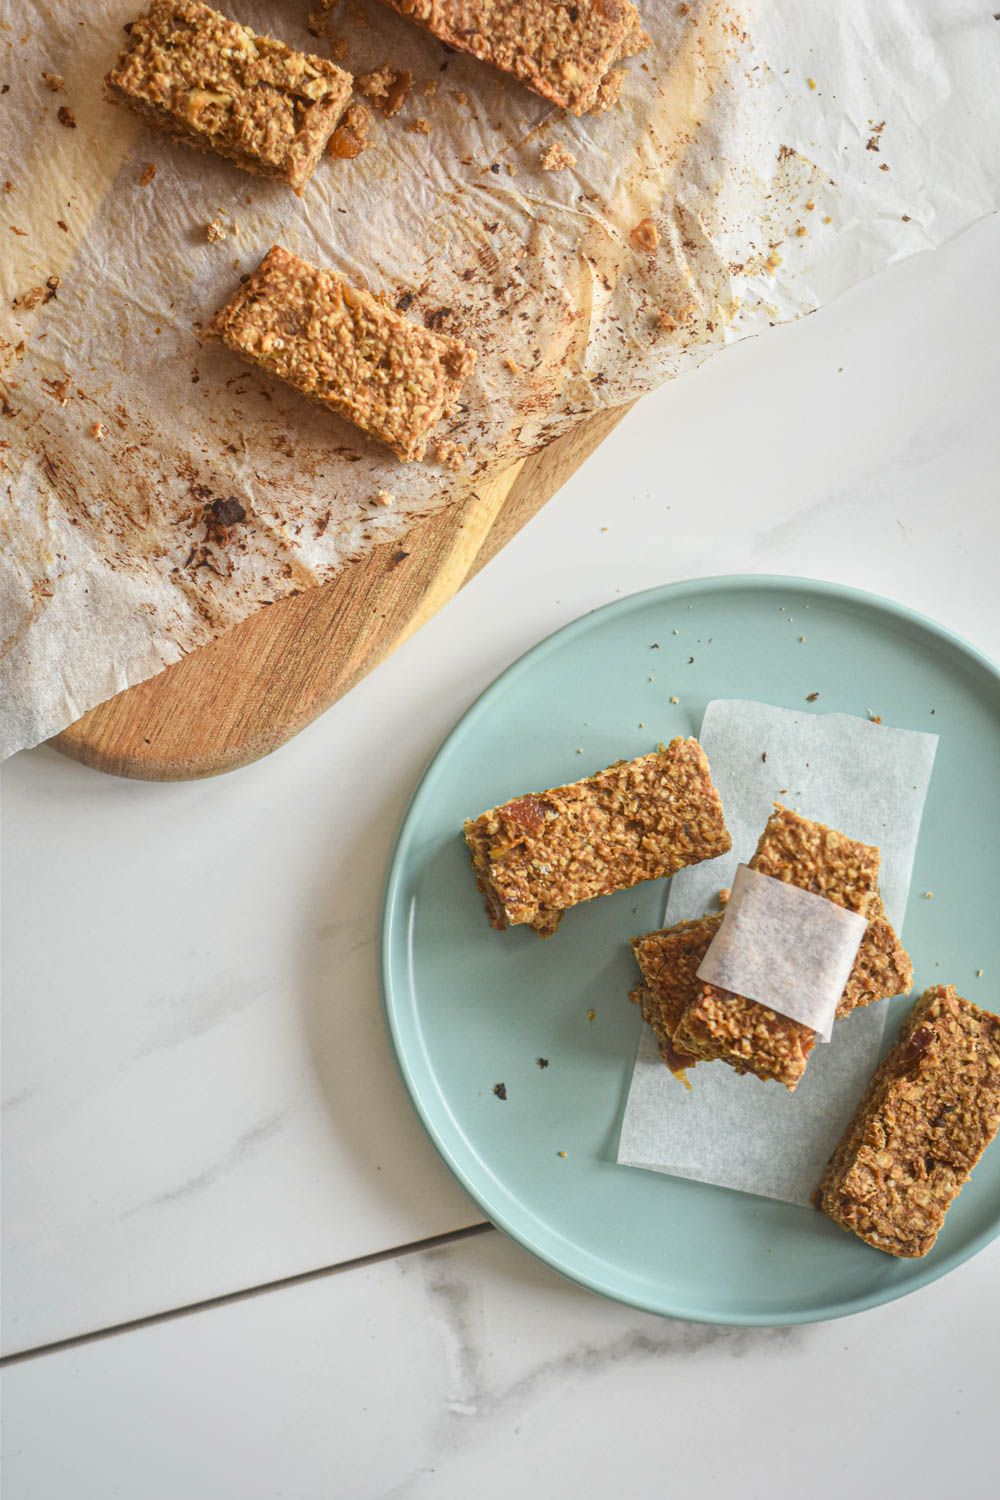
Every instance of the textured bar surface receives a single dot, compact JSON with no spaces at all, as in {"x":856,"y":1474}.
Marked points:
{"x":751,"y":1038}
{"x":219,"y":87}
{"x":928,"y":1114}
{"x":669,"y":960}
{"x":564,"y":51}
{"x":638,"y":820}
{"x":345,"y":349}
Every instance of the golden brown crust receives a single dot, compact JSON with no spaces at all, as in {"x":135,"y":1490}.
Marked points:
{"x":345,"y":349}
{"x":637,"y":820}
{"x":219,"y":87}
{"x":720,"y":1026}
{"x":565,"y":50}
{"x":928,"y":1114}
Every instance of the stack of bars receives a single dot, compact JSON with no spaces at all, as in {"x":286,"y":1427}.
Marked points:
{"x":696,"y":1022}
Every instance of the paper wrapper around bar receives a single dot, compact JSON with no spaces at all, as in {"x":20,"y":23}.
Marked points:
{"x":870,"y":782}
{"x":108,"y":571}
{"x":784,"y":947}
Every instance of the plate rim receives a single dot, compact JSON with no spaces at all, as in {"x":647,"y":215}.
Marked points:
{"x":664,"y":1307}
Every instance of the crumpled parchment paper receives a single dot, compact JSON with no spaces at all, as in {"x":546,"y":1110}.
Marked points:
{"x":783,"y":153}
{"x":868,"y":780}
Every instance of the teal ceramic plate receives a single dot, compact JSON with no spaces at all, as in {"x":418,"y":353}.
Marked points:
{"x":469,"y":1008}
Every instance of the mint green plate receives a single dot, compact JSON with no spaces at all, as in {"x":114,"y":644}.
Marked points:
{"x":469,"y":1007}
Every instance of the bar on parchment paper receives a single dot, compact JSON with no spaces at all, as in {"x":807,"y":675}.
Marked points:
{"x":638,"y":820}
{"x":217,"y":86}
{"x":928,"y":1114}
{"x":669,"y":960}
{"x":346,"y":349}
{"x":565,"y":52}
{"x":719,"y":1026}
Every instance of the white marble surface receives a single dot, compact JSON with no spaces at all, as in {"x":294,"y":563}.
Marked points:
{"x":475,"y":1373}
{"x":199,"y":1093}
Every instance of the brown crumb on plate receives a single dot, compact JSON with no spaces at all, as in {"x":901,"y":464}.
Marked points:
{"x":386,"y":87}
{"x":555,"y":157}
{"x":645,"y":235}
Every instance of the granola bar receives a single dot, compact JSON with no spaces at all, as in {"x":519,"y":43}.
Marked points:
{"x":752,"y":1038}
{"x":345,"y":349}
{"x":637,"y":820}
{"x":219,"y":87}
{"x":928,"y":1114}
{"x":669,"y":960}
{"x":567,"y":52}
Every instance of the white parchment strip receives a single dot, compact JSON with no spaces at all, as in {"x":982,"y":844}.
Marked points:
{"x":868,"y":780}
{"x":783,"y":152}
{"x":787,"y":948}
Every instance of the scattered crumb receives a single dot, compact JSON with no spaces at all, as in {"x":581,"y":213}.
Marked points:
{"x":500,"y":1089}
{"x":928,"y":895}
{"x":802,"y":640}
{"x":430,"y":88}
{"x":53,"y":81}
{"x":801,"y":230}
{"x":61,"y":224}
{"x":461,"y":97}
{"x":675,"y":632}
{"x":384,"y":497}
{"x":386,"y":87}
{"x":37,"y":296}
{"x":905,"y":218}
{"x":723,"y":896}
{"x":510,"y":169}
{"x":215,"y":231}
{"x":452,"y":455}
{"x":351,"y":136}
{"x":604,"y":528}
{"x":674,"y":698}
{"x":148,"y":173}
{"x":512,"y":365}
{"x":811,"y":82}
{"x":562,"y":1154}
{"x":763,"y":756}
{"x":97,"y":431}
{"x":66,"y":117}
{"x":641,"y":724}
{"x":592,"y":1015}
{"x":980,"y":973}
{"x":873,"y":140}
{"x":555,"y":157}
{"x":419,"y":126}
{"x":543,"y":1062}
{"x":8,"y":186}
{"x":873,"y":718}
{"x":810,"y":205}
{"x":811,"y":697}
{"x":645,"y":235}
{"x":773,"y":261}
{"x":579,"y":749}
{"x":828,"y":218}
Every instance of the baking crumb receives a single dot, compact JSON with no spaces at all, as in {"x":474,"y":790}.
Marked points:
{"x":605,"y":528}
{"x":452,"y":455}
{"x":8,"y":186}
{"x":386,"y":87}
{"x":53,"y":81}
{"x":384,"y":497}
{"x":555,"y":157}
{"x":419,"y":126}
{"x":675,"y":632}
{"x":215,"y":231}
{"x":61,"y":224}
{"x":461,"y":97}
{"x":828,"y":218}
{"x":510,"y":169}
{"x":500,"y":1089}
{"x":592,"y":1015}
{"x":802,"y":640}
{"x":884,"y":166}
{"x":542,"y":1062}
{"x":66,"y":117}
{"x":724,"y":895}
{"x":905,"y":218}
{"x":811,"y":697}
{"x":763,"y":756}
{"x":873,"y":718}
{"x":37,"y":296}
{"x":148,"y":173}
{"x":810,"y":205}
{"x":980,"y":973}
{"x":562,"y":1154}
{"x":674,"y":698}
{"x":97,"y":431}
{"x":801,"y":230}
{"x":512,"y":365}
{"x":351,"y":136}
{"x":645,"y":235}
{"x":430,"y":88}
{"x":579,"y":749}
{"x":928,"y":895}
{"x":641,"y":724}
{"x":773,"y":261}
{"x":811,"y":82}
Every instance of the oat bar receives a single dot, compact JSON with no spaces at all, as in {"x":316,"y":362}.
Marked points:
{"x":564,"y":51}
{"x":638,"y":820}
{"x":750,"y":1037}
{"x":218,"y":86}
{"x":345,"y":349}
{"x":928,"y":1114}
{"x":669,"y":960}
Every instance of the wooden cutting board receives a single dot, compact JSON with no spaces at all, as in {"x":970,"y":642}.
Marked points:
{"x":250,"y":691}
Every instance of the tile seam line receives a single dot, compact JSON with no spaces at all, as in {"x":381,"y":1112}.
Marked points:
{"x":244,"y":1294}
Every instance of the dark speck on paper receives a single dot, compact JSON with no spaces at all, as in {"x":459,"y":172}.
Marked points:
{"x":543,"y":1062}
{"x":500,"y":1089}
{"x":811,"y":697}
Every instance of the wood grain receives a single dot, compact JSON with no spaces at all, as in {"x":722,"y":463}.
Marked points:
{"x":250,"y":691}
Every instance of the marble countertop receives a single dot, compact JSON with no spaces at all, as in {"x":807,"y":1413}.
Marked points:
{"x":200,"y":1104}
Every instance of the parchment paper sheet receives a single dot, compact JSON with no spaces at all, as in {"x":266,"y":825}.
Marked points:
{"x":870,"y":781}
{"x":784,"y":947}
{"x":873,"y":128}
